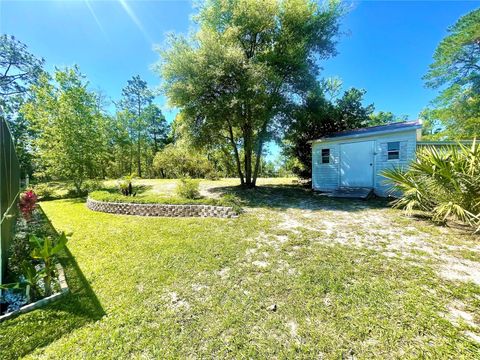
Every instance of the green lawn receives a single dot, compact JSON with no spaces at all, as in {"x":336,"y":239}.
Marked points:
{"x":348,"y":278}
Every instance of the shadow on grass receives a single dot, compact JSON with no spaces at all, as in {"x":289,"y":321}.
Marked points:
{"x":296,"y":197}
{"x":27,"y":332}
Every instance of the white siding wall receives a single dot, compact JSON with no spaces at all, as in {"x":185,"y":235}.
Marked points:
{"x":408,"y":144}
{"x":325,"y":176}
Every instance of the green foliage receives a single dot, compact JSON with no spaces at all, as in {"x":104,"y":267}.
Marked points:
{"x":125,"y":185}
{"x":90,"y":185}
{"x":188,"y":188}
{"x":384,"y":118}
{"x":317,"y":117}
{"x":351,"y":113}
{"x":176,"y":162}
{"x":28,"y":282}
{"x":149,"y":276}
{"x":86,"y":187}
{"x":19,"y":69}
{"x":19,"y":250}
{"x":444,"y":182}
{"x":456,"y":71}
{"x":136,"y":98}
{"x":43,"y":191}
{"x":157,"y":127}
{"x":69,"y":127}
{"x":235,"y":78}
{"x":46,"y":249}
{"x":154,"y":199}
{"x":232,"y":200}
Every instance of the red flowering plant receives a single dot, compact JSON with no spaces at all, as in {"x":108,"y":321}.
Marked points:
{"x":27,"y":203}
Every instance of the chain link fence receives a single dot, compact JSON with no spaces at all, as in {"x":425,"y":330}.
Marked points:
{"x":9,"y":192}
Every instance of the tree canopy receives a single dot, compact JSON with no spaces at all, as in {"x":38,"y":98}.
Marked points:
{"x":136,"y":97}
{"x":19,"y":69}
{"x":238,"y":75}
{"x":456,"y":71}
{"x":319,"y":117}
{"x":64,"y":113}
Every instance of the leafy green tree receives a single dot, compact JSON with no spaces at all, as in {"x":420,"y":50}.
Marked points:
{"x":177,"y":162}
{"x":136,"y":98}
{"x":432,"y":128}
{"x":236,"y":78}
{"x":384,"y":118}
{"x":456,"y":71}
{"x":121,"y":145}
{"x":69,"y":142}
{"x":19,"y":69}
{"x":157,"y":127}
{"x":318,"y":117}
{"x":351,"y":113}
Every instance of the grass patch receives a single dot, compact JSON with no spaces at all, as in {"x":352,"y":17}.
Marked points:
{"x":202,"y":288}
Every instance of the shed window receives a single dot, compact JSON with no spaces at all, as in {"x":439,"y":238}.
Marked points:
{"x":325,"y":156}
{"x":393,"y":150}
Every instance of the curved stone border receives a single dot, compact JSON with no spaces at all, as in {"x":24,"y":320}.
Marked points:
{"x":161,"y":209}
{"x":42,"y":302}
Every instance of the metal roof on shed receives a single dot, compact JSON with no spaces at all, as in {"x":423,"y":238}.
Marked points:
{"x":372,"y":130}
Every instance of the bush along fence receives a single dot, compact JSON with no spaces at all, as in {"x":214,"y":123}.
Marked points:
{"x":9,"y":193}
{"x":167,"y":210}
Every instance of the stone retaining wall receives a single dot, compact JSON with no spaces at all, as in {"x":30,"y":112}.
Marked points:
{"x":161,"y":209}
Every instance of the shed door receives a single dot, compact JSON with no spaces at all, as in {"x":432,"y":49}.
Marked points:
{"x":356,"y":164}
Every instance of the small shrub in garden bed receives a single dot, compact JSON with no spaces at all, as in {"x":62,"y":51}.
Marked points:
{"x":27,"y":203}
{"x":188,"y":188}
{"x":87,"y":187}
{"x":43,"y":191}
{"x":125,"y":186}
{"x":32,"y":262}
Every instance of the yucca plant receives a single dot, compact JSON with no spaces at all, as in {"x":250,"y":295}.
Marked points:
{"x":443,"y":182}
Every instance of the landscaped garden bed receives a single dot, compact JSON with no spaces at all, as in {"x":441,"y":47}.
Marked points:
{"x":63,"y":289}
{"x":35,"y":277}
{"x":158,"y":209}
{"x":188,"y":202}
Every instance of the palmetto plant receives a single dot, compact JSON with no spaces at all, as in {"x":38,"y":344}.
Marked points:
{"x":444,"y":182}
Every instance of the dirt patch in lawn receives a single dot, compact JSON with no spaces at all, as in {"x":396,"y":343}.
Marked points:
{"x":386,"y":231}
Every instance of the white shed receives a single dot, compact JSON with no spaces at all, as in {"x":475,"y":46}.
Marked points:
{"x":354,"y":159}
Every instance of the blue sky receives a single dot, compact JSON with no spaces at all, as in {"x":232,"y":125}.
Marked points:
{"x":386,"y":49}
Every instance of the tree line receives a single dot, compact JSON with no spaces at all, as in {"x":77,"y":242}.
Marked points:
{"x":249,"y":75}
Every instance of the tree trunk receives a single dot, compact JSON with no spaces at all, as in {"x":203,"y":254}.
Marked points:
{"x":248,"y":160}
{"x":261,"y":137}
{"x":139,"y":164}
{"x":248,"y":149}
{"x":257,"y":162}
{"x":237,"y":156}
